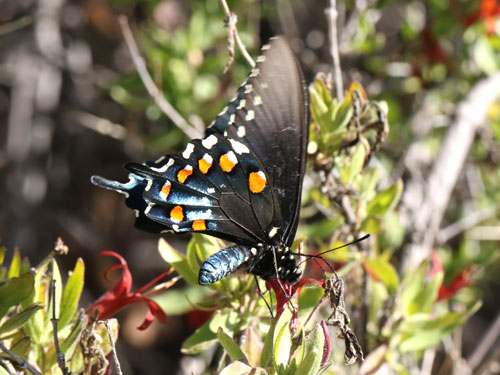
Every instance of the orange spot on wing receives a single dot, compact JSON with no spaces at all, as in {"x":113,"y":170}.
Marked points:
{"x":199,"y":225}
{"x":165,"y":190}
{"x":183,"y":174}
{"x":226,"y":163}
{"x":257,"y":182}
{"x":204,"y":165}
{"x":177,"y":213}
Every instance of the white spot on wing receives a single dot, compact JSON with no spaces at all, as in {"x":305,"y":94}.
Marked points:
{"x":231,"y":119}
{"x":188,"y":151}
{"x":261,"y":59}
{"x":273,"y":231}
{"x":240,"y":148}
{"x":241,"y":131}
{"x":208,"y":158}
{"x":264,"y":85}
{"x":242,"y":104}
{"x":162,"y":194}
{"x":248,"y":89}
{"x":209,"y":142}
{"x":265,"y":47}
{"x":175,"y":227}
{"x":257,"y":100}
{"x":250,"y":115}
{"x":149,"y":184}
{"x":165,"y":167}
{"x":148,"y":208}
{"x":255,"y":72}
{"x":253,"y":250}
{"x":211,"y":190}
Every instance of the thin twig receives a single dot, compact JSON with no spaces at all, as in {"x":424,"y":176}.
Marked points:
{"x":331,"y":15}
{"x":61,"y":361}
{"x":233,"y":33}
{"x":113,"y":347}
{"x":426,"y":219}
{"x":485,"y":344}
{"x":465,"y":223}
{"x":19,"y":361}
{"x":155,"y":93}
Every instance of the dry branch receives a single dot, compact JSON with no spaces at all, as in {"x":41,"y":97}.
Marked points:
{"x":426,"y":218}
{"x":155,"y":93}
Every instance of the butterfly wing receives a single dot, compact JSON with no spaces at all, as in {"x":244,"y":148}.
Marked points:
{"x":269,"y":115}
{"x":213,"y":187}
{"x":241,"y":183}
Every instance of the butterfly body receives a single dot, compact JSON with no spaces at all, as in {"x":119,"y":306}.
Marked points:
{"x":240,"y":183}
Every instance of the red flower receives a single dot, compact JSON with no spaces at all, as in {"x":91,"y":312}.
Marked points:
{"x":487,"y":12}
{"x":460,"y":281}
{"x":285,"y":292}
{"x":121,"y":296}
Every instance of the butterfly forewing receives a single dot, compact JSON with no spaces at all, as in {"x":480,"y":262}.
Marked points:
{"x":269,"y":116}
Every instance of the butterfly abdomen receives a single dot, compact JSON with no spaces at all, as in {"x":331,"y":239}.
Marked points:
{"x":222,"y":263}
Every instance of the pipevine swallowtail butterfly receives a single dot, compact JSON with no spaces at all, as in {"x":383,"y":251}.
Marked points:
{"x":242,"y":182}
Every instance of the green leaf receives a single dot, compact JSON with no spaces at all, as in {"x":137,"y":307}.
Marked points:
{"x":73,"y":339}
{"x":3,"y":250}
{"x":252,"y":346}
{"x":22,"y":348}
{"x":385,"y":200}
{"x":240,"y":368}
{"x":4,"y":371}
{"x":283,"y":339}
{"x":178,"y":261}
{"x":15,"y":265}
{"x":354,"y":168}
{"x":234,"y":351}
{"x":71,"y":294}
{"x":267,"y":350}
{"x":485,"y":56}
{"x":421,"y":340}
{"x":204,"y":245}
{"x":55,"y":298}
{"x":16,"y":289}
{"x":200,"y":340}
{"x":199,"y":249}
{"x":314,"y":353}
{"x":19,"y":319}
{"x":419,"y":292}
{"x":309,"y":298}
{"x":180,"y":301}
{"x":383,"y":271}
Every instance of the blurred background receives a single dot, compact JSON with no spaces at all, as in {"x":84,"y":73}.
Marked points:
{"x":72,"y":105}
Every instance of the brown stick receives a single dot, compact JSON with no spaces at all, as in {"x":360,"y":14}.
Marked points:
{"x":155,"y":93}
{"x":426,"y":219}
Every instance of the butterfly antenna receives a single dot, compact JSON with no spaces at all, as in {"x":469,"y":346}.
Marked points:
{"x":320,"y":255}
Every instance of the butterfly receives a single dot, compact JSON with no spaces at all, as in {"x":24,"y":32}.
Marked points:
{"x":242,"y":182}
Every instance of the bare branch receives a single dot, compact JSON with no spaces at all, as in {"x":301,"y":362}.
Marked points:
{"x":466,"y":223}
{"x":155,"y":93}
{"x":113,"y":348}
{"x":426,"y":218}
{"x":61,"y":361}
{"x":232,"y":32}
{"x":331,"y":15}
{"x":19,"y":361}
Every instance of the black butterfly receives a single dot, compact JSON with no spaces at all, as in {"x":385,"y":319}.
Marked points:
{"x":242,"y":182}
